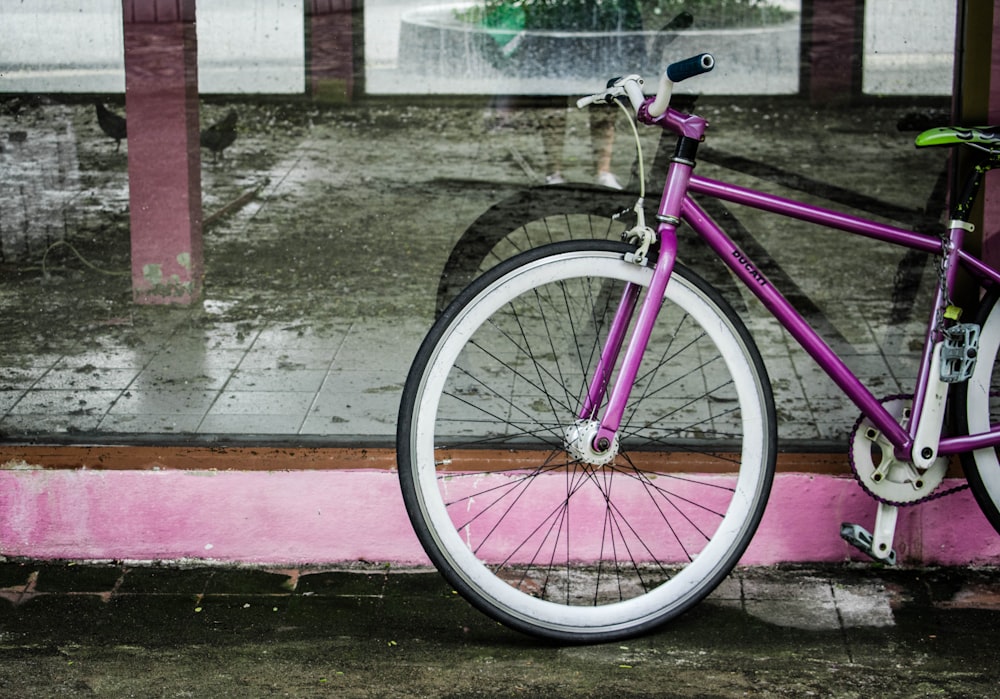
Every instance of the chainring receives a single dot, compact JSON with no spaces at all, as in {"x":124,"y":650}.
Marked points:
{"x":880,"y":473}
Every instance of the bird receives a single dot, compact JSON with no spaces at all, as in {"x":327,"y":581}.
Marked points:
{"x":220,"y":136}
{"x":112,"y":124}
{"x":14,"y":106}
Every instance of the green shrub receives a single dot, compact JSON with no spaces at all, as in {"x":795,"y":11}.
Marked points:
{"x":610,"y":15}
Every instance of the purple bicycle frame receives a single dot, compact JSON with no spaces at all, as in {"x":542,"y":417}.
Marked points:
{"x":676,"y":205}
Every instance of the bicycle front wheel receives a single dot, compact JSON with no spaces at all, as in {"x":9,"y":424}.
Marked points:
{"x":979,"y":410}
{"x":528,"y":530}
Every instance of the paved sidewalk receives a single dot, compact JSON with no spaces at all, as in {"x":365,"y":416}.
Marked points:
{"x":114,"y":630}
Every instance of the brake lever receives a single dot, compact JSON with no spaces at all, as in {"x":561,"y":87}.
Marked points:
{"x":629,"y":87}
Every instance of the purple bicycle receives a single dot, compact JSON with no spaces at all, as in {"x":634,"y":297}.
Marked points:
{"x":587,"y":436}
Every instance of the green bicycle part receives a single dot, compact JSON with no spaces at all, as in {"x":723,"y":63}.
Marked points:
{"x":950,"y":135}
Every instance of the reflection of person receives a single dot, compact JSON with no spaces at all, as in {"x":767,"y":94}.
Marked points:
{"x":586,"y":15}
{"x":623,"y":15}
{"x":602,"y":135}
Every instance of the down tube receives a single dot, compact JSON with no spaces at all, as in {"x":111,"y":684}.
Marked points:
{"x":786,"y":314}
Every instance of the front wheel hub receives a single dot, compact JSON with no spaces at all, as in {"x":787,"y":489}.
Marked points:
{"x":580,"y":442}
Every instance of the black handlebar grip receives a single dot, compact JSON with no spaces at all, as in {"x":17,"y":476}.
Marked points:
{"x":690,"y":67}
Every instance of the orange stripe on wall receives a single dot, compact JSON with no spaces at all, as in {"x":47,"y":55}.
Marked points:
{"x":309,"y":458}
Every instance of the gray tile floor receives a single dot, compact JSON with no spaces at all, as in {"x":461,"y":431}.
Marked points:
{"x":341,"y":382}
{"x":277,"y":380}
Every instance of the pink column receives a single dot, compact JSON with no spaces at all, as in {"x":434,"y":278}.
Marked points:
{"x":331,"y":57}
{"x":164,"y":162}
{"x":831,"y":36}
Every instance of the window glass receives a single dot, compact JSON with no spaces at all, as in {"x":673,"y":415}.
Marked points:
{"x":251,"y":46}
{"x":62,"y":46}
{"x":358,"y":162}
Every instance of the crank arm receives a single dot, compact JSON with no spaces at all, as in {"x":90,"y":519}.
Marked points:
{"x":928,"y":434}
{"x":879,"y":544}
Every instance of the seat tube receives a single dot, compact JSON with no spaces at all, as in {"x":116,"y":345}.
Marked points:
{"x":927,"y":383}
{"x":674,"y":192}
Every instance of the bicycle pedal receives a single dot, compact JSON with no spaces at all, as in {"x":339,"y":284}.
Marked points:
{"x":861,"y":539}
{"x":959,"y":351}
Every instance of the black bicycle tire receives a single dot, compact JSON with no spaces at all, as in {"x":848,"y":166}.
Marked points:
{"x":989,"y":505}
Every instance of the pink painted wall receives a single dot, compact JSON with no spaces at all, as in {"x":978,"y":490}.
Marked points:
{"x":318,"y":517}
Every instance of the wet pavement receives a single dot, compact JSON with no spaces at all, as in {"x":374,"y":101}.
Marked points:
{"x":136,"y":630}
{"x":327,"y":232}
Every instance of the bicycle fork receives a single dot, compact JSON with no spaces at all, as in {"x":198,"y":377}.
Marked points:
{"x":602,"y":432}
{"x":605,"y":436}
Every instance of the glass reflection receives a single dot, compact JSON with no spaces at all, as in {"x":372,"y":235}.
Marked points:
{"x":548,"y":47}
{"x":341,"y":200}
{"x":909,"y":47}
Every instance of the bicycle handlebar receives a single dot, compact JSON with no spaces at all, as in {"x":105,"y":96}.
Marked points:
{"x":631,"y":86}
{"x":690,"y":67}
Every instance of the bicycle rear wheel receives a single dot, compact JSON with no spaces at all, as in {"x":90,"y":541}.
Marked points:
{"x":514,"y":518}
{"x":979,"y":410}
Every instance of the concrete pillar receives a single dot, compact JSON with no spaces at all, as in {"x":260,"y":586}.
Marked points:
{"x":164,"y":160}
{"x":832,"y":49}
{"x":334,"y":32}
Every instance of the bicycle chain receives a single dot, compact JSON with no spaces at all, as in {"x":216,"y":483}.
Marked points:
{"x":941,"y":311}
{"x":886,"y":501}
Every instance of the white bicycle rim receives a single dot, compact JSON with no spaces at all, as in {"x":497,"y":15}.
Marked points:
{"x":978,"y":404}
